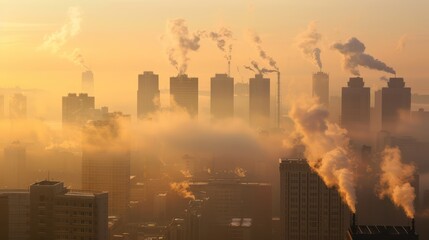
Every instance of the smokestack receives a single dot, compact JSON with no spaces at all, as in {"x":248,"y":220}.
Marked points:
{"x":413,"y":228}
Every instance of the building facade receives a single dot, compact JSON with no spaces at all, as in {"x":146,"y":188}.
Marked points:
{"x":259,"y":101}
{"x":184,"y":93}
{"x":14,"y":214}
{"x":222,"y":96}
{"x":148,"y":94}
{"x":396,"y":104}
{"x":77,"y":109}
{"x":88,"y":82}
{"x":321,"y":88}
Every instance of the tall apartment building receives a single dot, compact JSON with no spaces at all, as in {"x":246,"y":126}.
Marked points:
{"x":396,"y":104}
{"x":148,"y":94}
{"x":88,"y":82}
{"x":222,"y":96}
{"x":355,"y":108}
{"x":14,"y":166}
{"x":241,"y":101}
{"x":106,"y":160}
{"x":321,"y":88}
{"x":77,"y":109}
{"x":59,"y":213}
{"x":18,"y":106}
{"x":308,"y":208}
{"x":259,"y":101}
{"x":184,"y":93}
{"x":14,"y":214}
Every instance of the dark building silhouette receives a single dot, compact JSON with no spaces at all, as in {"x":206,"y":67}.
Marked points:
{"x":59,"y":213}
{"x":14,"y":214}
{"x":196,"y":220}
{"x":1,"y":106}
{"x":376,"y":121}
{"x":321,"y":87}
{"x":184,"y":93}
{"x":396,"y":104}
{"x":14,"y":166}
{"x":148,"y":95}
{"x":77,"y":109}
{"x":18,"y":106}
{"x":106,"y":160}
{"x":259,"y":101}
{"x":241,"y":101}
{"x":88,"y":82}
{"x":355,"y":108}
{"x":308,"y":208}
{"x":222,"y":96}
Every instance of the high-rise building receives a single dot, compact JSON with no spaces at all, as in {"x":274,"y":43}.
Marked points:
{"x":14,"y":166}
{"x":77,"y":109}
{"x":18,"y":106}
{"x":88,"y":82}
{"x":1,"y":106}
{"x":259,"y":101}
{"x":308,"y":208}
{"x":184,"y":93}
{"x":321,"y":87}
{"x":148,"y":95}
{"x":241,"y":101}
{"x":106,"y":161}
{"x":196,"y":220}
{"x":14,"y":214}
{"x":59,"y":213}
{"x":376,"y":114}
{"x":355,"y":108}
{"x":222,"y":96}
{"x":396,"y":104}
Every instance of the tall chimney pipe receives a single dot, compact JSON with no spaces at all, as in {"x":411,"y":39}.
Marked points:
{"x":413,"y":227}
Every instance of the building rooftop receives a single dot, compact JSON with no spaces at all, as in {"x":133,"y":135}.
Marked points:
{"x":47,"y":183}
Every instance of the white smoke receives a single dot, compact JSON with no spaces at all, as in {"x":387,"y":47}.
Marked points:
{"x":395,"y":180}
{"x":326,"y":148}
{"x":354,"y":56}
{"x":223,"y":39}
{"x":262,"y":53}
{"x":308,"y":42}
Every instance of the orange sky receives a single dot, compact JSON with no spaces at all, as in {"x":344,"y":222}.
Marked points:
{"x":120,"y":39}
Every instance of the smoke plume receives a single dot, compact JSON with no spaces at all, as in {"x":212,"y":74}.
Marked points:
{"x":223,"y":39}
{"x":182,"y":188}
{"x":354,"y":56}
{"x":181,"y":42}
{"x":308,"y":42}
{"x":326,"y":148}
{"x":395,"y":180}
{"x":258,"y":42}
{"x":56,"y":41}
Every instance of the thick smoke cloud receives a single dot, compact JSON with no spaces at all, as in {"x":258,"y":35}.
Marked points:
{"x":354,"y":56}
{"x":56,"y":41}
{"x":181,"y":42}
{"x":262,"y":53}
{"x":223,"y":39}
{"x":326,"y":148}
{"x":308,"y":42}
{"x":182,"y":188}
{"x":395,"y":180}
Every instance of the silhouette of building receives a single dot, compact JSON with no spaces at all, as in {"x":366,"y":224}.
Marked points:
{"x":321,"y":87}
{"x":77,"y":109}
{"x":196,"y":220}
{"x":106,"y":160}
{"x":148,"y":95}
{"x":14,"y":214}
{"x":18,"y":106}
{"x":184,"y":93}
{"x":241,"y":101}
{"x":259,"y":101}
{"x":88,"y":82}
{"x":1,"y":106}
{"x":59,"y":213}
{"x":355,"y":108}
{"x":377,"y":111}
{"x":14,"y":166}
{"x":396,"y":104}
{"x":308,"y":208}
{"x":222,"y":96}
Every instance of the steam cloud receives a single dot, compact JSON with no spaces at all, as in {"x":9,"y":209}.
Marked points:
{"x":258,"y":42}
{"x":326,"y":148}
{"x":57,"y":40}
{"x":181,"y":43}
{"x":223,"y":41}
{"x":355,"y":56}
{"x":182,"y":188}
{"x":395,"y":180}
{"x":308,"y":42}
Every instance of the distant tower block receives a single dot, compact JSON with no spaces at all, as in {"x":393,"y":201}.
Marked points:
{"x":18,"y":106}
{"x":321,"y":87}
{"x":241,"y":101}
{"x":184,"y":93}
{"x":1,"y":106}
{"x":395,"y":104}
{"x":259,"y":101}
{"x":147,"y":94}
{"x":88,"y":82}
{"x":222,"y":96}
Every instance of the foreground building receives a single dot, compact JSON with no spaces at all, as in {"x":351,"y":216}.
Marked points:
{"x":381,"y":232}
{"x":14,"y":214}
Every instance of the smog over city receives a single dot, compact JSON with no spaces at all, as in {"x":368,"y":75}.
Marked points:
{"x":209,"y":120}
